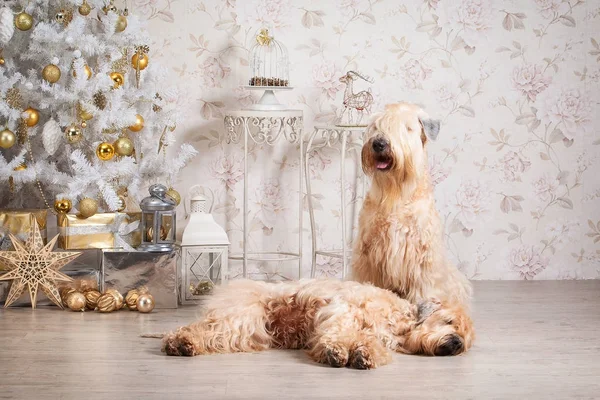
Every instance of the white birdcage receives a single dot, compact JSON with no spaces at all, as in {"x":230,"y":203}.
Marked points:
{"x":269,"y":70}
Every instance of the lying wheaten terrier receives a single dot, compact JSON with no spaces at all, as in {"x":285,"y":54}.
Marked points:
{"x":339,"y":323}
{"x":400,"y":245}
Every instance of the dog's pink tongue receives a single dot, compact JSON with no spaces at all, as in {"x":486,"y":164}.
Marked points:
{"x":383,"y":164}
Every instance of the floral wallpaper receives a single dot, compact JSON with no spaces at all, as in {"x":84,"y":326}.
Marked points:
{"x":515,"y":82}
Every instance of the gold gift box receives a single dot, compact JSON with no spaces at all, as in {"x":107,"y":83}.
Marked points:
{"x":100,"y":231}
{"x":18,"y":223}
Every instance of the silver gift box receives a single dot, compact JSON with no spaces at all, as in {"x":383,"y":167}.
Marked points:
{"x":126,"y":270}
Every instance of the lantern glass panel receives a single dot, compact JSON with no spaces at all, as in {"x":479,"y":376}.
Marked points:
{"x":148,"y":227}
{"x":166,"y":227}
{"x":204,"y":271}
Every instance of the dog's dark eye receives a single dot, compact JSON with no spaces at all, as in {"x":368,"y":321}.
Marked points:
{"x":449,"y":322}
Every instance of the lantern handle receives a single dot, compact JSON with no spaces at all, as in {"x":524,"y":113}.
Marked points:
{"x":188,"y":197}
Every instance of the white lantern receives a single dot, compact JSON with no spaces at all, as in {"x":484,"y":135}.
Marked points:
{"x":204,"y":253}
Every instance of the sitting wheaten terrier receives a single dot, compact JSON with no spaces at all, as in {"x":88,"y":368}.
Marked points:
{"x":339,"y":323}
{"x":400,"y":243}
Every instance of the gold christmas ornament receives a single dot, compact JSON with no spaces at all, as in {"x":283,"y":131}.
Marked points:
{"x":91,"y":299}
{"x":88,"y":72}
{"x":7,"y":138}
{"x":131,"y":299}
{"x":51,"y":73}
{"x":145,"y":303}
{"x":76,"y":301}
{"x":83,"y":113}
{"x":73,"y":134}
{"x":105,"y":151}
{"x":122,"y":204}
{"x":34,"y":265}
{"x":33,"y":116}
{"x":174,"y":194}
{"x":87,"y":207}
{"x":118,"y":297}
{"x":2,"y":61}
{"x":85,"y":8}
{"x":65,"y":293}
{"x":263,"y":38}
{"x":123,"y":146}
{"x":107,"y":303}
{"x":121,"y":24}
{"x":142,"y":59}
{"x":63,"y":205}
{"x":14,"y":98}
{"x":139,"y":124}
{"x":64,"y":17}
{"x":118,"y":79}
{"x":84,"y":124}
{"x":20,"y":167}
{"x":23,"y":21}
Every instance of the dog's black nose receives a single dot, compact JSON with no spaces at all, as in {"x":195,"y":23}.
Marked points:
{"x":379,"y":145}
{"x":451,"y":345}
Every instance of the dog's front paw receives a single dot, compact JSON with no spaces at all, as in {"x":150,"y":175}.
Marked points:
{"x":178,"y":345}
{"x":336,"y":356}
{"x":361,"y":358}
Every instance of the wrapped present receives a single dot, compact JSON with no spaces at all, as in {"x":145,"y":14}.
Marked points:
{"x":100,"y":231}
{"x":89,"y":276}
{"x":18,"y":223}
{"x":126,"y":270}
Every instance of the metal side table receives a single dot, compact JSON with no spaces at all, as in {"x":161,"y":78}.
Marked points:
{"x":266,"y":128}
{"x":331,"y":136}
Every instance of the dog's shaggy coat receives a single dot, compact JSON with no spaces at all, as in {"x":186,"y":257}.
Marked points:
{"x":339,"y":323}
{"x":400,"y":244}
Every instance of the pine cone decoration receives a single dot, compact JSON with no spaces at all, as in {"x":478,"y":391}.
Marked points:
{"x":100,"y":100}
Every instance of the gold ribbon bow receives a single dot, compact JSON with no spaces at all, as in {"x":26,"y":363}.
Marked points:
{"x":263,"y":38}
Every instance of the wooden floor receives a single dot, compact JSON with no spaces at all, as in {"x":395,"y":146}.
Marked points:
{"x":535,"y":340}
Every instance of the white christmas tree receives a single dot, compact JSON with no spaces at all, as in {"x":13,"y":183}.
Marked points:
{"x":84,"y":113}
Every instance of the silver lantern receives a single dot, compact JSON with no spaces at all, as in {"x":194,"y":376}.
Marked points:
{"x":158,"y":220}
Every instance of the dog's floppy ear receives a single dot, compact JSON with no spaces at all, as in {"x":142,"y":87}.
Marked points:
{"x":431,"y":127}
{"x":427,"y":307}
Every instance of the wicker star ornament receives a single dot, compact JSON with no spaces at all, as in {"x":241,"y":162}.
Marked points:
{"x":34,"y":266}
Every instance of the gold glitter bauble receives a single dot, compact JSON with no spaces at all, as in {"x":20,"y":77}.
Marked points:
{"x":87,"y":207}
{"x":7,"y":139}
{"x":121,"y":24}
{"x":91,"y":299}
{"x":118,"y":79}
{"x":51,"y":73}
{"x":63,"y":205}
{"x":107,"y":303}
{"x":73,"y":134}
{"x":118,"y":297}
{"x":131,"y":299}
{"x":145,"y":303}
{"x":33,"y":116}
{"x":105,"y":151}
{"x":174,"y":194}
{"x":76,"y":301}
{"x":65,"y":293}
{"x":142,"y":59}
{"x":88,"y":72}
{"x":23,"y":21}
{"x":139,"y":124}
{"x":122,"y":203}
{"x":85,"y":9}
{"x":123,"y":146}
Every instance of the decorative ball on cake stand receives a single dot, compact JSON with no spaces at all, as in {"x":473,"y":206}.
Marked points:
{"x":269,"y":71}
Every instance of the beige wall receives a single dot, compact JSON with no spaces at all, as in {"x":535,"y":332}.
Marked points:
{"x":515,"y":83}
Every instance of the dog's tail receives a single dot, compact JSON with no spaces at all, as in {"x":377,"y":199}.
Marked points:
{"x":153,"y":335}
